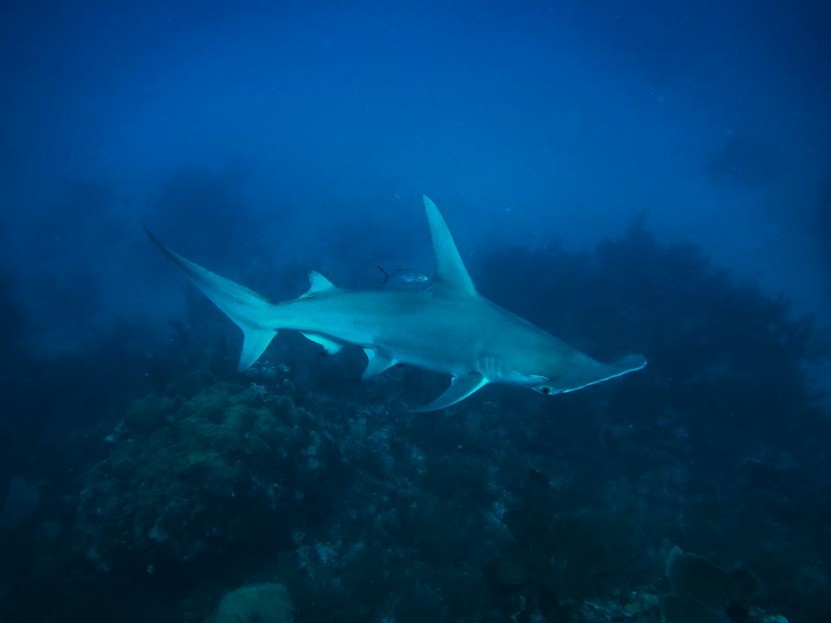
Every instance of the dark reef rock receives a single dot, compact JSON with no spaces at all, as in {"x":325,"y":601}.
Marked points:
{"x":194,"y":476}
{"x":254,"y":603}
{"x":508,"y":507}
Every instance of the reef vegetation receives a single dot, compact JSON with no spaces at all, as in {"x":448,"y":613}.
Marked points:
{"x":165,"y":481}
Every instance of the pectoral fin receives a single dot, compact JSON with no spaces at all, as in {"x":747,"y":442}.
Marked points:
{"x":460,"y":388}
{"x":330,"y":346}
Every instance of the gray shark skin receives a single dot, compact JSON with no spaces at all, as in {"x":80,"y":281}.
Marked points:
{"x":448,"y":328}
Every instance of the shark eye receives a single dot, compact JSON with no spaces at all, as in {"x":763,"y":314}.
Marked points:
{"x":545,"y":389}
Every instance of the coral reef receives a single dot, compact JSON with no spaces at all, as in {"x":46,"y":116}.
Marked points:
{"x":165,"y":488}
{"x":196,"y":475}
{"x":703,"y":591}
{"x":254,"y":603}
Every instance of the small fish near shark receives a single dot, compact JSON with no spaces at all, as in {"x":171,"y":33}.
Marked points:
{"x":448,"y":328}
{"x":404,"y":278}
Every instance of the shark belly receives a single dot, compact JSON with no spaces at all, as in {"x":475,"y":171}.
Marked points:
{"x":409,"y":327}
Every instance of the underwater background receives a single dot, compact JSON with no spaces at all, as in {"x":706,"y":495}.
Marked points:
{"x":637,"y":176}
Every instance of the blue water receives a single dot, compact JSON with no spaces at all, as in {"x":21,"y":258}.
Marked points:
{"x":633,"y":177}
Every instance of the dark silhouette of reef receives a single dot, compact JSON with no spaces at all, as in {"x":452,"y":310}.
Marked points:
{"x":743,"y":160}
{"x":166,"y":479}
{"x":823,"y":230}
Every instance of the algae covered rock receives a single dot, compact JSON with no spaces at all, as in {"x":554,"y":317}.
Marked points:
{"x":190,"y":476}
{"x":254,"y":603}
{"x":703,"y":592}
{"x":678,"y":609}
{"x":696,"y":578}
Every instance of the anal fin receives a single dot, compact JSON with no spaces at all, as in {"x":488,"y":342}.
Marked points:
{"x":460,"y":388}
{"x":377,"y":362}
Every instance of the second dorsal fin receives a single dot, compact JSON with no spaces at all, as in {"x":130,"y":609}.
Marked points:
{"x":317,"y":284}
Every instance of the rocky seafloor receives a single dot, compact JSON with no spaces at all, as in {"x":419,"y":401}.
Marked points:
{"x":695,"y":491}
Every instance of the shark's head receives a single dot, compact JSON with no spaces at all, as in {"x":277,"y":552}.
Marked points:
{"x":581,"y":371}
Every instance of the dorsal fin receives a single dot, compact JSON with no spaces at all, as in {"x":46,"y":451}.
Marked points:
{"x":317,"y":284}
{"x":450,"y":276}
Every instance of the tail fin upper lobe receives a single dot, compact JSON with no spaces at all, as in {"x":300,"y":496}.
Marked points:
{"x":250,"y":311}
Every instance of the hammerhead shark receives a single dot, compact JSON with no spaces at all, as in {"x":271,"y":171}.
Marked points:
{"x":448,"y":328}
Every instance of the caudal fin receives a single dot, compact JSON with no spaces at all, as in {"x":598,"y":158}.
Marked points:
{"x":249,"y":310}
